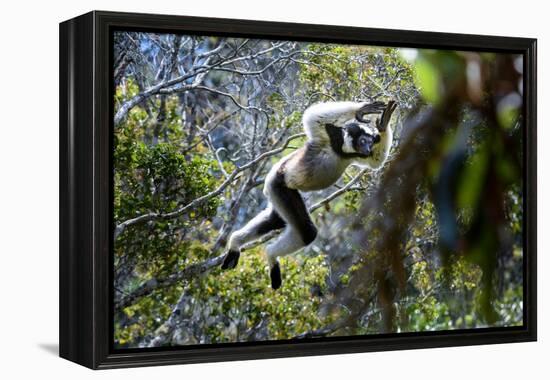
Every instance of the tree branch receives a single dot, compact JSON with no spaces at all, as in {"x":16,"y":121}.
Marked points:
{"x":154,"y":283}
{"x":226,"y":94}
{"x":339,"y":192}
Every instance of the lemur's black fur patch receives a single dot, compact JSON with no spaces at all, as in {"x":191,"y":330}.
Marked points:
{"x":336,"y":137}
{"x":294,"y":206}
{"x":274,"y":222}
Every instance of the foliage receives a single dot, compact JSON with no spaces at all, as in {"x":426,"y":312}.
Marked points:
{"x":235,"y":305}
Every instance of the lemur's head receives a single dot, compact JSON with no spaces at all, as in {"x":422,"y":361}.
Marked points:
{"x":359,"y":138}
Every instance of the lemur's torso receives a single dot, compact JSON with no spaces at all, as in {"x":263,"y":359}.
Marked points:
{"x":312,"y":167}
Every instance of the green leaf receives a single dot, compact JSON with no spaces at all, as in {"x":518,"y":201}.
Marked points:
{"x":428,"y":79}
{"x":472,"y":179}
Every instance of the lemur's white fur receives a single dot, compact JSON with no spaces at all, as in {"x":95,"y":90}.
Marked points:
{"x":380,"y":152}
{"x":312,"y":167}
{"x":347,"y":147}
{"x":317,"y":115}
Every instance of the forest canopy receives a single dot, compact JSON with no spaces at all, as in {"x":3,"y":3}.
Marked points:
{"x":432,"y":241}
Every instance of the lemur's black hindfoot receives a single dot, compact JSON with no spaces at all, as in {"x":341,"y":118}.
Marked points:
{"x":275,"y":275}
{"x":231,"y":260}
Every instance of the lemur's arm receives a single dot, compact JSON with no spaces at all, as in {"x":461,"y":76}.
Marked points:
{"x":337,"y":113}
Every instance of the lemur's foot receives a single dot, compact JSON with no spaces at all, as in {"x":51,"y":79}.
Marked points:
{"x":369,"y":109}
{"x":383,"y":121}
{"x":231,"y":260}
{"x":275,"y":275}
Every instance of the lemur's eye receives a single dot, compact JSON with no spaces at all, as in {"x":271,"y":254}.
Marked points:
{"x":363,"y":140}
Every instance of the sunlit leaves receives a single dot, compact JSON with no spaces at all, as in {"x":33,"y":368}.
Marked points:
{"x":336,"y":72}
{"x":231,"y":306}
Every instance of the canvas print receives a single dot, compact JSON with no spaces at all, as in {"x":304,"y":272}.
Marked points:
{"x":268,"y":190}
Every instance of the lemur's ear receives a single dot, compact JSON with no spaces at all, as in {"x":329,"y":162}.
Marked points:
{"x":369,"y":108}
{"x":383,"y":121}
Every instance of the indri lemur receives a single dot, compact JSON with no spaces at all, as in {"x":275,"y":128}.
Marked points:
{"x":337,"y":135}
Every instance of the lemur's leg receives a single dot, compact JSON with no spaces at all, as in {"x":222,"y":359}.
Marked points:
{"x":287,"y":242}
{"x":299,"y":231}
{"x":266,"y":221}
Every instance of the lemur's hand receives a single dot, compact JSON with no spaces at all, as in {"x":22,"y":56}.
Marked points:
{"x":369,"y":108}
{"x":383,"y":121}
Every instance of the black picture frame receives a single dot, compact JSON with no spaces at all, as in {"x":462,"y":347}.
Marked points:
{"x":86,"y":114}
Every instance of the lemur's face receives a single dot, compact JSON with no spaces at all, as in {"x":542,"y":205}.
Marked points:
{"x":360,"y":138}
